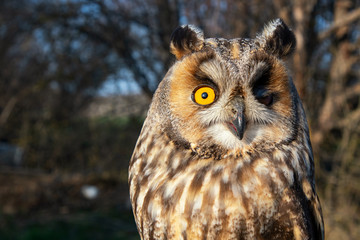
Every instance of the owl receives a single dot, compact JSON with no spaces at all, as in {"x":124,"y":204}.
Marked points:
{"x":224,"y":152}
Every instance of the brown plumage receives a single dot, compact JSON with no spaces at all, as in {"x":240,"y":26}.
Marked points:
{"x":224,"y":152}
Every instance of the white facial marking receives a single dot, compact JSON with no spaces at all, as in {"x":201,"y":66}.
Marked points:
{"x":223,"y":136}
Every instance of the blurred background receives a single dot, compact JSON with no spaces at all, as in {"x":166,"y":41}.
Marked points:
{"x":76,"y":79}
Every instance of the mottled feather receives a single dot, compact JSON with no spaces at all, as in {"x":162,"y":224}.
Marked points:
{"x":240,"y":167}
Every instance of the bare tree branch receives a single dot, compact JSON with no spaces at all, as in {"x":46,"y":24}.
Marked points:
{"x":350,"y":119}
{"x":349,"y":18}
{"x":348,"y":93}
{"x":7,"y":110}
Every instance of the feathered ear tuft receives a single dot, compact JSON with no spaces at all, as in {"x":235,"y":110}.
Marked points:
{"x":277,"y":39}
{"x":185,"y":40}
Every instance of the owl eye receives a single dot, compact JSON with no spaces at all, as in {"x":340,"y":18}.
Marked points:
{"x":264,"y":97}
{"x":266,"y":100}
{"x":204,"y":95}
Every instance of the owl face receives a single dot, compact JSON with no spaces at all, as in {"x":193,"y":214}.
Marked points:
{"x":233,"y":93}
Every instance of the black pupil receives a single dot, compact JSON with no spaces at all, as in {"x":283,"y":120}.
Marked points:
{"x":204,"y":95}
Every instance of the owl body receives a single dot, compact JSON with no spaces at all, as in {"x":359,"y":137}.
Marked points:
{"x":225,"y":152}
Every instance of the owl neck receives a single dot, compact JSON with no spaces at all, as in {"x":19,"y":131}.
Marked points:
{"x":167,"y":152}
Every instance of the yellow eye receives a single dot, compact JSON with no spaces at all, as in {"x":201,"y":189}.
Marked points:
{"x":204,"y":95}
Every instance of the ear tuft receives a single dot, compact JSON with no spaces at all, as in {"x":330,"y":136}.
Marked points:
{"x":185,"y":40}
{"x":277,"y":39}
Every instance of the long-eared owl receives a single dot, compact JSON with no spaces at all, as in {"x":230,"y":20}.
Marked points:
{"x":224,"y":152}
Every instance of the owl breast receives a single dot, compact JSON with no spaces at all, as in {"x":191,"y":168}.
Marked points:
{"x":186,"y":196}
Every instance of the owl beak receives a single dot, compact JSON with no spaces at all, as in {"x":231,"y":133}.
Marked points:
{"x":239,"y":125}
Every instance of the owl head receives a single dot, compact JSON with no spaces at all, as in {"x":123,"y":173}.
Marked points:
{"x":229,"y":93}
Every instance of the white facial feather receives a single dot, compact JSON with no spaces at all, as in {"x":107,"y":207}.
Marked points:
{"x":223,"y":136}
